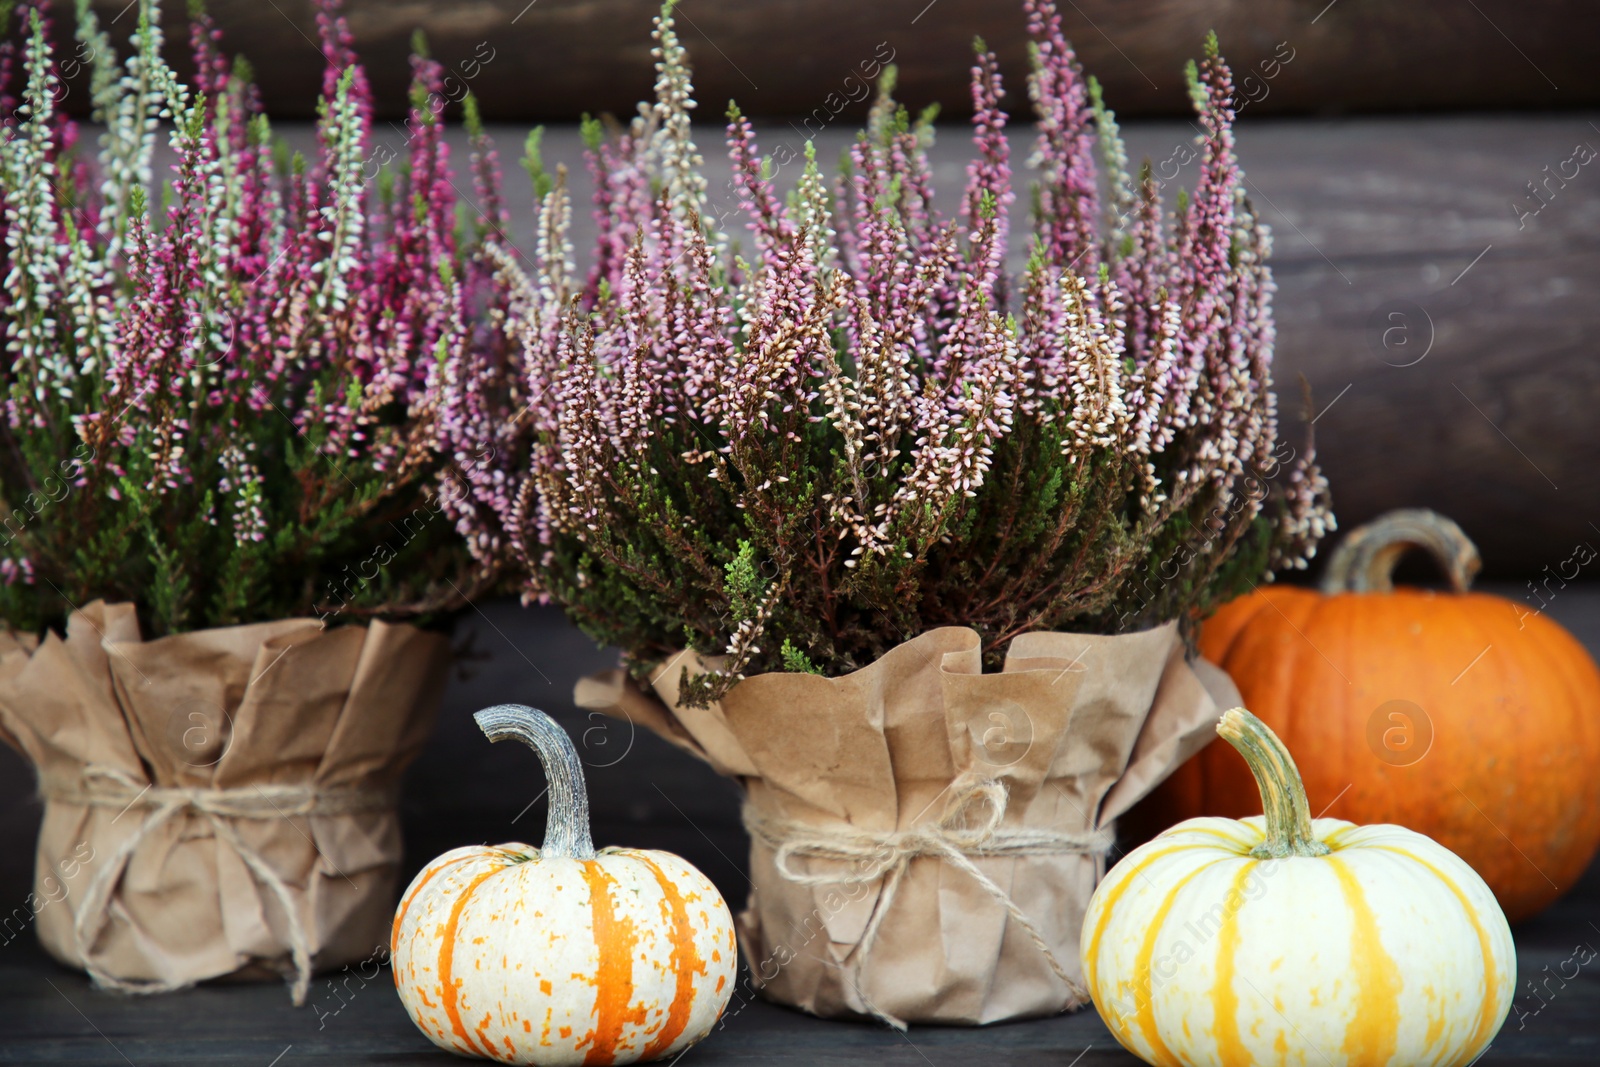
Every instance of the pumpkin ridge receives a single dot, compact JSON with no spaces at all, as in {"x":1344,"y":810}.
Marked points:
{"x":1314,"y":734}
{"x":1224,"y":838}
{"x":405,"y":905}
{"x":1145,"y":1007}
{"x":1109,"y":905}
{"x":1224,"y":999}
{"x":1559,"y":664}
{"x":685,"y":960}
{"x":1473,"y":638}
{"x":1374,"y":1029}
{"x":615,"y":941}
{"x":1335,"y":839}
{"x":482,"y":1030}
{"x":1491,"y":973}
{"x":446,"y":967}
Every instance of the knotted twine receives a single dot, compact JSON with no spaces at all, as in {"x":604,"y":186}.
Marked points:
{"x":111,"y":787}
{"x":874,"y":855}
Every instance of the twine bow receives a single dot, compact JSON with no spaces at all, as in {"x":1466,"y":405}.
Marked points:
{"x":954,"y":837}
{"x":112,"y":787}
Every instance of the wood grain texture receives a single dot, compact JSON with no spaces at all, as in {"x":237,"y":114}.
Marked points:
{"x":558,"y":58}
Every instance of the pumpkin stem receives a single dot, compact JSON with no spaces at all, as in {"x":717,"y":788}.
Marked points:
{"x":1365,"y":560}
{"x":566,"y":831}
{"x":1283,"y":795}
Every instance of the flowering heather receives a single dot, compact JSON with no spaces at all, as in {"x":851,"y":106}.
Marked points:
{"x":861,"y":427}
{"x":224,"y":408}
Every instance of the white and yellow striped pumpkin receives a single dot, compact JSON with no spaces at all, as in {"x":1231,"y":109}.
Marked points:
{"x":561,"y":955}
{"x":1283,"y":940}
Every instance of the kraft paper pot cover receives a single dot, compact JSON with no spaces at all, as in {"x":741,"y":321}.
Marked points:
{"x":924,"y":836}
{"x":221,"y":802}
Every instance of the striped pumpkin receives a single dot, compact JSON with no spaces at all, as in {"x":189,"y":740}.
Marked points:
{"x":561,"y":955}
{"x":1280,"y":939}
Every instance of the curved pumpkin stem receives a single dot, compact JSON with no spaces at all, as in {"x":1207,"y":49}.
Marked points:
{"x":566,"y":831}
{"x":1283,"y":795}
{"x":1365,"y":560}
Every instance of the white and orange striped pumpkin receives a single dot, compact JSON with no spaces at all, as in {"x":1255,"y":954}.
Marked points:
{"x":560,"y":955}
{"x":1280,"y":939}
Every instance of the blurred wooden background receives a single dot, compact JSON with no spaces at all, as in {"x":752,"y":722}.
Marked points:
{"x":554,"y":59}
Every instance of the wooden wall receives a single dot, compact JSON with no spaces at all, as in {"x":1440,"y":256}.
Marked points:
{"x":554,"y":59}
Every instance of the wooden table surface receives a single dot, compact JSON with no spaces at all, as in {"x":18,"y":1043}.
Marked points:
{"x":49,"y":1015}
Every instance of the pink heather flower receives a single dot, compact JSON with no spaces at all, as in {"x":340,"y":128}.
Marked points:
{"x":1069,"y":196}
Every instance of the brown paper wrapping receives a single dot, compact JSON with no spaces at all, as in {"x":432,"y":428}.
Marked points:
{"x":1075,"y":728}
{"x":303,"y":730}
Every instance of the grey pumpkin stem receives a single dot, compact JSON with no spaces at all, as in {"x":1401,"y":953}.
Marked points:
{"x":1283,"y":795}
{"x":566,"y":831}
{"x":1365,"y":560}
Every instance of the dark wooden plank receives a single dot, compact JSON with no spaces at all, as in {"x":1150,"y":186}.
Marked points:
{"x":558,"y":58}
{"x":54,"y":1017}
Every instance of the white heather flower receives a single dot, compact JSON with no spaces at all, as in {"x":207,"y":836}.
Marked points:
{"x":242,"y":480}
{"x":344,"y":218}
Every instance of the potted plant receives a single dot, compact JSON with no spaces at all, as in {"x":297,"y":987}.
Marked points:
{"x":817,"y":480}
{"x":223,"y":482}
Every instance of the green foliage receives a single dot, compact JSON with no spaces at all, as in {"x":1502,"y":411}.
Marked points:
{"x":795,"y":661}
{"x":533,"y":163}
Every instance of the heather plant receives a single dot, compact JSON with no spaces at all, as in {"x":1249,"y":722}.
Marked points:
{"x":797,"y":446}
{"x":222,"y":391}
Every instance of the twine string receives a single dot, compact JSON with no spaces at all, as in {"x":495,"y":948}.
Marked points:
{"x":969,"y":826}
{"x":103,"y":786}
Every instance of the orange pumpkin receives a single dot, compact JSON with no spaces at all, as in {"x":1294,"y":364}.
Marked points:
{"x":1462,"y":716}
